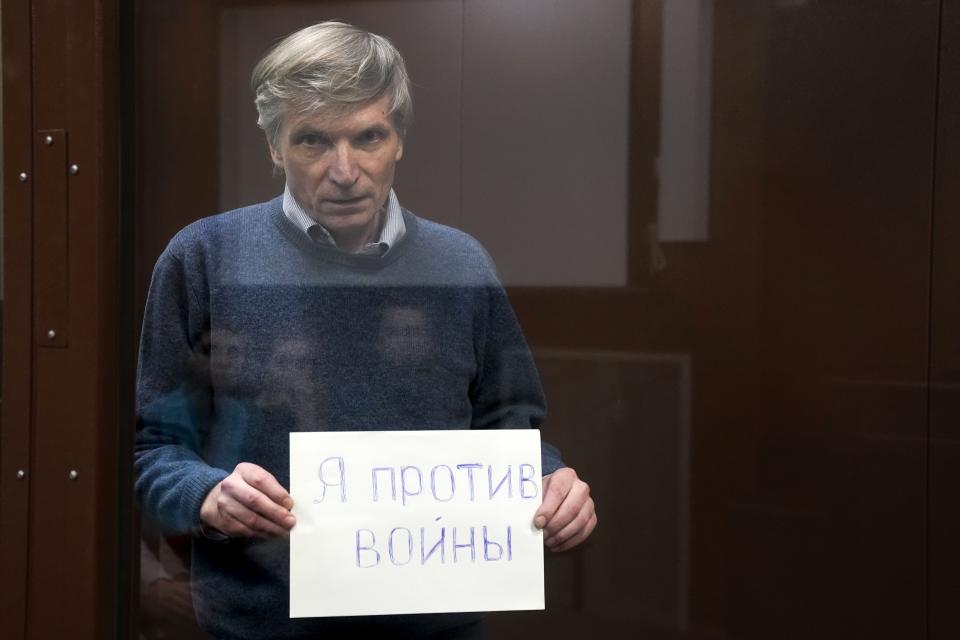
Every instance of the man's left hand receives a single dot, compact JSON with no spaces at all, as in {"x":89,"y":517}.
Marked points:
{"x":567,"y":514}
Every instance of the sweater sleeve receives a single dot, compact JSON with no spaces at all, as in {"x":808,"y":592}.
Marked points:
{"x":506,"y":392}
{"x":173,"y":401}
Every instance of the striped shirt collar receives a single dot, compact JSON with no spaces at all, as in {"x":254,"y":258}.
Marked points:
{"x":392,"y":227}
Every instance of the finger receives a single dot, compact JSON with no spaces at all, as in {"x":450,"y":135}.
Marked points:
{"x":253,"y":522}
{"x":244,"y":504}
{"x":555,"y":488}
{"x":234,"y":528}
{"x":264,"y":481}
{"x":234,"y":488}
{"x":574,"y":526}
{"x":570,"y":508}
{"x":580,"y":537}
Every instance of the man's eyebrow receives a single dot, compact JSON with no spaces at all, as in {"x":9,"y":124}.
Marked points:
{"x":306,"y":128}
{"x":374,"y":128}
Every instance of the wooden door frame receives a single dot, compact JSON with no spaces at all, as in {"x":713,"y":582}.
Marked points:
{"x":63,"y":415}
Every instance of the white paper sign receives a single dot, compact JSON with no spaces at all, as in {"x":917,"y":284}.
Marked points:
{"x":415,"y":522}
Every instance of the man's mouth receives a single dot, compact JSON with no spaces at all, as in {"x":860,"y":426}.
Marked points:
{"x":347,"y":203}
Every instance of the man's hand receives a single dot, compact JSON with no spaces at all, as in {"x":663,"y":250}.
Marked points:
{"x":248,"y":503}
{"x":567,"y":514}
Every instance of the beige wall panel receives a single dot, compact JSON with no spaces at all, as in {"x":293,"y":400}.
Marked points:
{"x":545,"y":132}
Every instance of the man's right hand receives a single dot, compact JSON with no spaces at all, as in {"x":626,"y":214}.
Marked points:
{"x":248,"y":503}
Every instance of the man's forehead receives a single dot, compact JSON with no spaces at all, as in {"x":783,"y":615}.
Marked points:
{"x":340,"y":116}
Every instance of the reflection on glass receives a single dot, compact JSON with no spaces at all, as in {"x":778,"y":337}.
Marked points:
{"x":491,"y":152}
{"x":166,"y":605}
{"x":327,"y":308}
{"x":2,"y":172}
{"x":404,"y":335}
{"x":751,"y":411}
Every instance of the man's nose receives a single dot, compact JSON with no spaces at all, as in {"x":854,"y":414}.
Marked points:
{"x":344,"y":170}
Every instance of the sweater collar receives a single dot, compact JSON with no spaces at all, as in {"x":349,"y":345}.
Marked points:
{"x":329,"y":253}
{"x":392,"y":227}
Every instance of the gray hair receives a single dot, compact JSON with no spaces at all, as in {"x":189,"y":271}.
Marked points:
{"x":330,"y":64}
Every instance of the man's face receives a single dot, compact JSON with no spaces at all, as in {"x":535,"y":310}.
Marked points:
{"x":339,"y":166}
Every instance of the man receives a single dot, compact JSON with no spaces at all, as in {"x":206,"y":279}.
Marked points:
{"x":329,"y":308}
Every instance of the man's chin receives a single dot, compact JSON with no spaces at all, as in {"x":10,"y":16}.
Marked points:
{"x":347,"y":221}
{"x":345,"y":227}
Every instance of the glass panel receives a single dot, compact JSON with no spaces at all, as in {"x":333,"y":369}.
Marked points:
{"x":713,"y":223}
{"x":1,"y":226}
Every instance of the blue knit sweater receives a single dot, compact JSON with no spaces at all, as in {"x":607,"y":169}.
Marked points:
{"x":252,"y":331}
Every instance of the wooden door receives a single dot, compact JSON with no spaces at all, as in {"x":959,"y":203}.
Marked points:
{"x":59,"y":510}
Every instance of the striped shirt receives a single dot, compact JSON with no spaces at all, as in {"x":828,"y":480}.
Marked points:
{"x":391,"y":231}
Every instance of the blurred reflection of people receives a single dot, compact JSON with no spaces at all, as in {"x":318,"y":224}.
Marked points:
{"x":335,"y":260}
{"x":208,"y":389}
{"x":182,"y":415}
{"x":166,"y":608}
{"x":289,"y":384}
{"x":404,"y":336}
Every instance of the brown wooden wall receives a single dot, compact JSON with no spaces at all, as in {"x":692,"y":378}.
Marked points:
{"x":59,"y":484}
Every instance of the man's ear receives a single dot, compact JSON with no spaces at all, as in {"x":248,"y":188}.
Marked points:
{"x":275,"y":155}
{"x":399,"y":151}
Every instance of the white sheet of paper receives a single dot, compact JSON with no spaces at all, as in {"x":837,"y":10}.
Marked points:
{"x":369,"y":548}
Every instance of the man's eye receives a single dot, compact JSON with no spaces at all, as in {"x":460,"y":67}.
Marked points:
{"x":371,"y":137}
{"x":311,"y":140}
